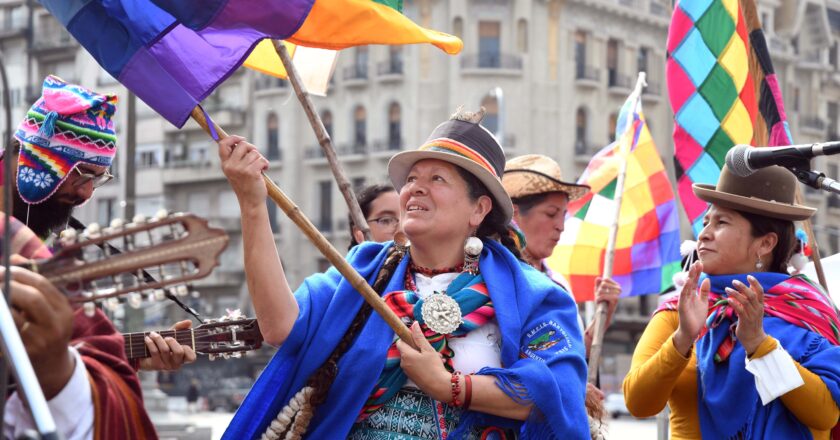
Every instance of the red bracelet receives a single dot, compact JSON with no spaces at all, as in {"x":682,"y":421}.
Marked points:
{"x":456,"y":388}
{"x":467,"y":391}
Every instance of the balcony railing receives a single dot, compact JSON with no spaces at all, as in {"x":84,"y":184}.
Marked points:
{"x":589,"y":73}
{"x":316,"y":152}
{"x":356,"y":72}
{"x":12,"y":27}
{"x":659,"y":9}
{"x":392,"y":144}
{"x":492,"y":61}
{"x":617,"y":80}
{"x":53,"y":40}
{"x":812,"y":122}
{"x":390,"y":67}
{"x":266,"y":82}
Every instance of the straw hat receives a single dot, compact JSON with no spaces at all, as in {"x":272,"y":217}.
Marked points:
{"x":537,"y":174}
{"x":463,"y":142}
{"x":769,"y":192}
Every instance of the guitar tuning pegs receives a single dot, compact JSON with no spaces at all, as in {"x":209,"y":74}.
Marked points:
{"x":92,"y":230}
{"x":135,"y":300}
{"x":112,"y":303}
{"x":236,"y":355}
{"x":211,"y":356}
{"x":151,"y":297}
{"x":117,"y":223}
{"x":161,"y":214}
{"x":90,"y":309}
{"x":159,"y":294}
{"x":139,"y":219}
{"x":182,"y":290}
{"x":68,"y":237}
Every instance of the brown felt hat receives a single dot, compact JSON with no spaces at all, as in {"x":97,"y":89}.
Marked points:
{"x":537,"y":174}
{"x":770,"y":192}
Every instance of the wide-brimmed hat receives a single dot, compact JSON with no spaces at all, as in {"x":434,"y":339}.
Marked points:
{"x":463,"y":142}
{"x":68,"y":125}
{"x":770,"y":192}
{"x":537,"y":174}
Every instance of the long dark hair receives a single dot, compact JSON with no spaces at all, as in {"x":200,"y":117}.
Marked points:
{"x":366,"y":197}
{"x":784,"y":229}
{"x":494,"y":225}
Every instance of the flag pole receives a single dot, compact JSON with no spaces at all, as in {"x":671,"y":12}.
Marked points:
{"x":323,"y":139}
{"x":609,"y":257}
{"x":296,"y":215}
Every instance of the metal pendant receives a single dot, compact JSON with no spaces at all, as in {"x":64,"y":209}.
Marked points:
{"x":441,"y":313}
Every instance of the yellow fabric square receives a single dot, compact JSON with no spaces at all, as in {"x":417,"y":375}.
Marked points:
{"x":585,"y":261}
{"x":626,"y":232}
{"x":592,"y":235}
{"x":734,"y":61}
{"x":737,"y":124}
{"x":731,"y":7}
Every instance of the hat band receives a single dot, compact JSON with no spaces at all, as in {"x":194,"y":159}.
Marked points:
{"x":454,"y":147}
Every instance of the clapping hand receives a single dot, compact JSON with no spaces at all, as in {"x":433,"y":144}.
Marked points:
{"x":693,"y":309}
{"x":748,"y":303}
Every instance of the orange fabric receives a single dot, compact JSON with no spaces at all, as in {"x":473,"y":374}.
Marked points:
{"x":659,"y":374}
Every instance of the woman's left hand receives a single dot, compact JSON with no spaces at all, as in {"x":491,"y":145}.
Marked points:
{"x":425,"y":366}
{"x":748,"y":302}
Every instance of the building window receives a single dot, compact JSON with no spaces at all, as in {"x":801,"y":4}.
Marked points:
{"x":795,"y":99}
{"x":199,"y":203}
{"x":458,"y":27}
{"x":581,"y":121}
{"x":394,"y":126}
{"x":612,"y":62}
{"x":358,"y":184}
{"x":522,"y":35}
{"x":395,"y":59}
{"x":325,"y":207}
{"x":612,"y":124}
{"x":833,"y":114}
{"x":106,"y":211}
{"x":832,"y":55}
{"x":327,"y":120}
{"x":360,"y":62}
{"x":272,"y":215}
{"x":580,"y":54}
{"x":489,"y":44}
{"x":273,"y":136}
{"x":642,"y":60}
{"x":833,"y":240}
{"x":359,"y":126}
{"x":491,"y":115}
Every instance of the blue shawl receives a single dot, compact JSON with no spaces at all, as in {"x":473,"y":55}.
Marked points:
{"x":542,"y":349}
{"x":729,"y":404}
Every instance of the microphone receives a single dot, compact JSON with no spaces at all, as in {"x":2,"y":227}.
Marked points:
{"x":743,"y":160}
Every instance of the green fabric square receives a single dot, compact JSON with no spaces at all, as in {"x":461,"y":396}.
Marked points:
{"x":581,"y":214}
{"x":719,"y":91}
{"x":716,"y":26}
{"x":718,"y":146}
{"x":609,"y":190}
{"x":393,"y":4}
{"x":668,"y":272}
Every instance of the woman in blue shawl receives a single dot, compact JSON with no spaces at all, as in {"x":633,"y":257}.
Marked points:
{"x":499,"y":353}
{"x":752,"y":353}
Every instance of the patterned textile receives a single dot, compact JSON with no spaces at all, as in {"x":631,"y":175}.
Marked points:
{"x":411,"y":415}
{"x":796,"y":300}
{"x":67,"y":125}
{"x":24,"y":241}
{"x":174,"y":53}
{"x":723,"y":89}
{"x":647,"y":247}
{"x":471,"y":294}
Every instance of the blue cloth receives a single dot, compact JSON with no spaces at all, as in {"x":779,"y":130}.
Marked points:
{"x":527,"y":305}
{"x":729,"y":405}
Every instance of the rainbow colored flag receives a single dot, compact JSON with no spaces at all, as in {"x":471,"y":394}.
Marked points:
{"x":712,"y":93}
{"x":174,"y":53}
{"x":647,"y":247}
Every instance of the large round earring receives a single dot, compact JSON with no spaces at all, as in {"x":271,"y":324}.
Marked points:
{"x":472,"y":249}
{"x":758,"y":264}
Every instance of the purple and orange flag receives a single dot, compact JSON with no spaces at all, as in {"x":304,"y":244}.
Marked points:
{"x":174,"y":53}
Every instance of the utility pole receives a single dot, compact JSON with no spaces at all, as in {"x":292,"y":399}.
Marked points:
{"x":130,"y":176}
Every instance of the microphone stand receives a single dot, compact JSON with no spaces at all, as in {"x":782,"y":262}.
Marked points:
{"x":12,"y":346}
{"x":814,"y":179}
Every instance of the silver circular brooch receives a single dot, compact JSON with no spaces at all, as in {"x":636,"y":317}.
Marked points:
{"x":441,"y":313}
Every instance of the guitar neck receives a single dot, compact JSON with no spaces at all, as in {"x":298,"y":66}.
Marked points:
{"x":135,"y":343}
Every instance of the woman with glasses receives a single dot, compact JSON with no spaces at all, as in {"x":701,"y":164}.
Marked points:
{"x":380,"y":205}
{"x":499,"y":353}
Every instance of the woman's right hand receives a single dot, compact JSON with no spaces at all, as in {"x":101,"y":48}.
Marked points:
{"x":693,"y":310}
{"x":243,"y":165}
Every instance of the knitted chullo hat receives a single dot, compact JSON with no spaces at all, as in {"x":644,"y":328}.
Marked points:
{"x":66,"y":126}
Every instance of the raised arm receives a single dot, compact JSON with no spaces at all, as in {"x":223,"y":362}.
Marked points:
{"x":271,"y":295}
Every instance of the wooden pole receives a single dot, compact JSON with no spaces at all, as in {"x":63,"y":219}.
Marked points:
{"x":311,"y":232}
{"x":609,"y":258}
{"x":323,"y":139}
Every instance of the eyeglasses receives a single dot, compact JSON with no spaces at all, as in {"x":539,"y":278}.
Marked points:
{"x":98,"y":179}
{"x":387,"y":221}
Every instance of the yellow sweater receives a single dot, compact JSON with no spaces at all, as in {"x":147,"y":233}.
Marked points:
{"x":659,"y":374}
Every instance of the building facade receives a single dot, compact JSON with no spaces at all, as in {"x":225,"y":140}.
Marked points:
{"x":552,"y":75}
